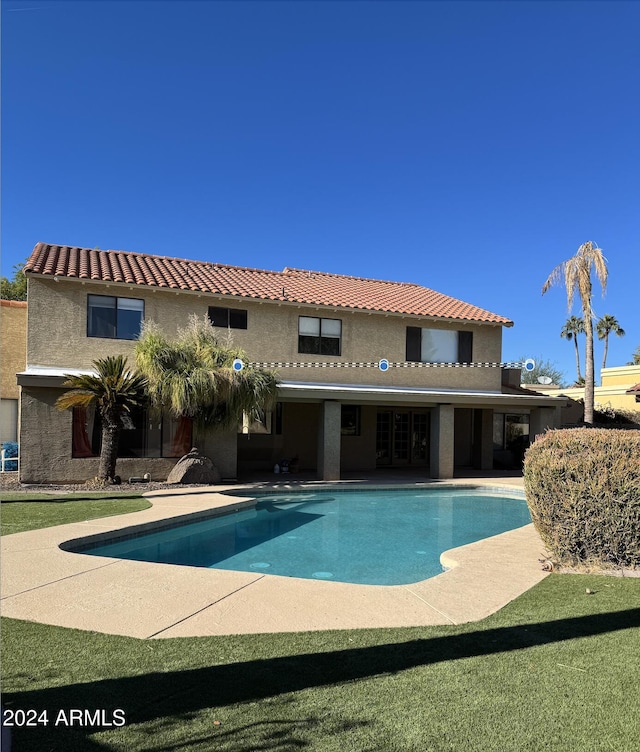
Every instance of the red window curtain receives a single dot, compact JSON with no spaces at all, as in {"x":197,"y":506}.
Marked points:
{"x":81,"y":445}
{"x":181,"y":440}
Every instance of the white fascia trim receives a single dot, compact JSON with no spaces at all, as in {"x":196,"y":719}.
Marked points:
{"x":438,"y":395}
{"x":371,"y":389}
{"x":55,"y":371}
{"x":48,"y":376}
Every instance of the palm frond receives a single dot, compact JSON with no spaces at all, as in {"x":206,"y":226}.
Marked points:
{"x":609,"y":324}
{"x":75,"y":398}
{"x":112,"y":387}
{"x":193,"y":375}
{"x":556,"y":275}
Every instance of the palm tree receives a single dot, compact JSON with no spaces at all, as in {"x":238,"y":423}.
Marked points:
{"x":604,"y":327}
{"x":573,"y":326}
{"x":114,"y":390}
{"x":576,"y":274}
{"x":193,"y":376}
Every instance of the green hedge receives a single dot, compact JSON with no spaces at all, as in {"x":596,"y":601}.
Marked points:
{"x":583,"y":491}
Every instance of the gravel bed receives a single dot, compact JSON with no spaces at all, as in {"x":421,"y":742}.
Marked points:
{"x":10,"y":483}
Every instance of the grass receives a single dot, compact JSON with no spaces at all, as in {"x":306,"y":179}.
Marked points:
{"x":20,"y":512}
{"x":554,"y":670}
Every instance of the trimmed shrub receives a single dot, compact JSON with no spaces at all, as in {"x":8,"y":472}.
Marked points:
{"x":583,"y":490}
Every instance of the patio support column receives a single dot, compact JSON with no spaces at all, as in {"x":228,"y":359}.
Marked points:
{"x":329,"y":440}
{"x":442,"y":434}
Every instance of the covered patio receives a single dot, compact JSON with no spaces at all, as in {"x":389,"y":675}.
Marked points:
{"x":330,"y":431}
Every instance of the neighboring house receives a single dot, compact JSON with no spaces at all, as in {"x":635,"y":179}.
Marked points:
{"x":619,"y":390}
{"x":13,"y":345}
{"x":338,"y":413}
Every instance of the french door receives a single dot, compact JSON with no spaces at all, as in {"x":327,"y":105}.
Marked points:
{"x":402,"y":437}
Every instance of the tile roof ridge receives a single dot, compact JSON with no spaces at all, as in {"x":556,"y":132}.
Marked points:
{"x":289,"y":270}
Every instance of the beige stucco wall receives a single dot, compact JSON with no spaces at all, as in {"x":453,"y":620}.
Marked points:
{"x":13,"y":345}
{"x":272,"y":335}
{"x":626,"y":376}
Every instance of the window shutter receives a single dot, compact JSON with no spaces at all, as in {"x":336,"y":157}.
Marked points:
{"x":465,"y":347}
{"x":414,"y":344}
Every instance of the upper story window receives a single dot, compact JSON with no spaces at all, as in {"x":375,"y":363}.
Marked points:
{"x":438,"y":346}
{"x":228,"y":318}
{"x":116,"y":318}
{"x":319,"y":336}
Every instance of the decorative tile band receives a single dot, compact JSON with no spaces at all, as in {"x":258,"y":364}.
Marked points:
{"x":383,"y":364}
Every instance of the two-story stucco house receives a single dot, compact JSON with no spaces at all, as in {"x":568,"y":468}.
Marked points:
{"x":327,"y":336}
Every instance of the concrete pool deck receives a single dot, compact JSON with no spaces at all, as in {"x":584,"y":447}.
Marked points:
{"x":43,"y":583}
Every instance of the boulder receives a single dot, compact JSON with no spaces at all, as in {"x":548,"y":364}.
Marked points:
{"x":194,"y":468}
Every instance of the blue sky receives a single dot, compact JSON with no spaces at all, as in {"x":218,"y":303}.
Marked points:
{"x":466,"y":146}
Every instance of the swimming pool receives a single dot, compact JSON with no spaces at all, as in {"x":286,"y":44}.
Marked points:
{"x":381,"y":537}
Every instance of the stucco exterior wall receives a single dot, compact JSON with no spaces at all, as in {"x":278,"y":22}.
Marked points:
{"x":13,"y":345}
{"x":625,"y":376}
{"x":272,"y":335}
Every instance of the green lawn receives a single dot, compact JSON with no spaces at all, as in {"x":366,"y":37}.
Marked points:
{"x":20,"y":512}
{"x":557,"y":669}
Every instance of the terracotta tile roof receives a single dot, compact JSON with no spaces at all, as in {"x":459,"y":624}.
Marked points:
{"x":633,"y":389}
{"x":14,"y":303}
{"x":292,"y":285}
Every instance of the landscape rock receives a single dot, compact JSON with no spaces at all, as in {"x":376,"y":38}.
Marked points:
{"x":194,"y":468}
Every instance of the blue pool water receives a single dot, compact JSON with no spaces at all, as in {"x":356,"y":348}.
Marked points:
{"x":368,"y":537}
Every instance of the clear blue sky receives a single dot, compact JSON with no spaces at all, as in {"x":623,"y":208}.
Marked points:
{"x":466,"y":146}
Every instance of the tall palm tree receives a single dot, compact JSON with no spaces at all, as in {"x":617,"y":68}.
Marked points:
{"x":114,"y":390}
{"x":605,"y":326}
{"x":573,"y":326}
{"x":193,"y":376}
{"x":576,"y":274}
